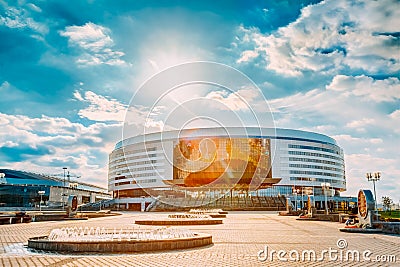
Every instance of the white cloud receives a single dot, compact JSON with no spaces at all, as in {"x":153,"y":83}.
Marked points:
{"x":34,"y":7}
{"x":78,"y":96}
{"x":4,"y":86}
{"x":137,"y":119}
{"x":47,"y":144}
{"x":357,"y":165}
{"x":140,"y":120}
{"x":350,"y":110}
{"x":229,"y":101}
{"x":348,"y":101}
{"x":356,"y":140}
{"x":247,"y":56}
{"x":328,"y":37}
{"x":360,"y":123}
{"x":19,"y":18}
{"x":394,"y":118}
{"x":387,"y":90}
{"x":101,"y":108}
{"x":240,"y":100}
{"x":395,"y":115}
{"x":89,"y":36}
{"x":96,"y":44}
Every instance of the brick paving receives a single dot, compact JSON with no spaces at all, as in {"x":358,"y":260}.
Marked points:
{"x":236,"y":243}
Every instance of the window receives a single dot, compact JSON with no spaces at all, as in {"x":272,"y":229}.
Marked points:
{"x":334,"y":151}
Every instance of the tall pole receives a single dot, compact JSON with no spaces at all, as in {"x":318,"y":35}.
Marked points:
{"x":326,"y":201}
{"x":374,"y":193}
{"x":64,"y":168}
{"x":63,"y":202}
{"x":374,"y":178}
{"x":302,"y":202}
{"x":326,"y":186}
{"x":41,"y":193}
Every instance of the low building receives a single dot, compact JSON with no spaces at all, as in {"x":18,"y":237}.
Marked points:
{"x":26,"y":189}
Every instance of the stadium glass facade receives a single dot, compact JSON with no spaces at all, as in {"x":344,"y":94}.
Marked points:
{"x":221,"y":162}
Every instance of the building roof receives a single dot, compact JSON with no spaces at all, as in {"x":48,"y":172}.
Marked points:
{"x":15,"y":177}
{"x":234,"y":132}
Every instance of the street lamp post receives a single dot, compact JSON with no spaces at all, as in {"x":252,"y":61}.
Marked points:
{"x":302,"y":201}
{"x":325,"y":187}
{"x":63,"y":202}
{"x":374,"y":178}
{"x":41,"y":193}
{"x":297,"y":193}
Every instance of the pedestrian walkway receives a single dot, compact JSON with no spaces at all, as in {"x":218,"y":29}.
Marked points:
{"x":244,"y":239}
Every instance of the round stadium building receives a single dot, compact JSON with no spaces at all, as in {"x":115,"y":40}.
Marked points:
{"x":225,"y":162}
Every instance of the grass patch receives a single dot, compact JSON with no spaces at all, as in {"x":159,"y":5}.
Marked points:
{"x":390,"y":214}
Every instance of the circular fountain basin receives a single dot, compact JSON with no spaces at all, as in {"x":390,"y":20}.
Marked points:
{"x":141,"y":240}
{"x":79,"y":240}
{"x":123,"y":246}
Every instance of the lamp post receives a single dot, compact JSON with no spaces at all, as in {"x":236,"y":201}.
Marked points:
{"x":62,"y":198}
{"x":325,"y":187}
{"x":302,"y":201}
{"x":64,"y":168}
{"x":374,"y":178}
{"x":297,"y":193}
{"x":41,"y":193}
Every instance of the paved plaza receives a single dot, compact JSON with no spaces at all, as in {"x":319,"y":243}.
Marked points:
{"x":244,"y":239}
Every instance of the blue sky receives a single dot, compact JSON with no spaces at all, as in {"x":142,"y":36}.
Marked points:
{"x":69,"y":69}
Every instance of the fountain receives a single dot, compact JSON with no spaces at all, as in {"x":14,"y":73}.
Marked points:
{"x":213,"y":213}
{"x":118,"y":241}
{"x":189,"y":216}
{"x":182,"y":219}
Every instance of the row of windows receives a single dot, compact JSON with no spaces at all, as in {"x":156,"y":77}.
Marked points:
{"x":124,"y":165}
{"x":130,"y":152}
{"x":122,"y":183}
{"x":134,"y":157}
{"x":334,"y":151}
{"x":123,"y":176}
{"x":316,"y":161}
{"x":149,"y":168}
{"x":136,"y":175}
{"x":317,"y":173}
{"x":120,"y":177}
{"x":150,"y":149}
{"x":137,"y":181}
{"x":306,"y":166}
{"x":119,"y":166}
{"x":301,"y":153}
{"x":138,"y":192}
{"x":318,"y":180}
{"x":146,"y":181}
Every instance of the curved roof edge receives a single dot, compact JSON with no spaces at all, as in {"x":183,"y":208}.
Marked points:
{"x":251,"y":132}
{"x":19,"y":177}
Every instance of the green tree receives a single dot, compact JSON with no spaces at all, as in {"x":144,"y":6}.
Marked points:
{"x":387,"y":203}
